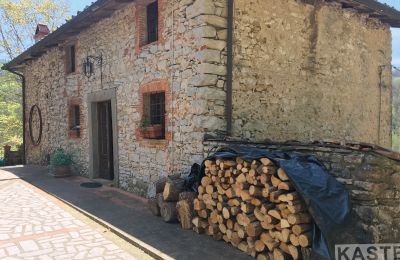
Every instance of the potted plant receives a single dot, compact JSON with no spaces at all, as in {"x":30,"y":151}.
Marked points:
{"x":75,"y":132}
{"x":61,"y":163}
{"x":150,"y":131}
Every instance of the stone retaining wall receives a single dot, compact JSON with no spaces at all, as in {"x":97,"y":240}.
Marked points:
{"x":373,"y":181}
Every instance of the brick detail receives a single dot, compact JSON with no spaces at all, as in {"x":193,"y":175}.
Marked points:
{"x":72,"y":134}
{"x":140,"y":19}
{"x":148,"y":88}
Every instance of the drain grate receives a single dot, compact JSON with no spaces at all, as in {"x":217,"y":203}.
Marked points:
{"x":91,"y":185}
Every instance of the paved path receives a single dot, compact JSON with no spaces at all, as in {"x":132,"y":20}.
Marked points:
{"x":129,"y":214}
{"x":34,"y":225}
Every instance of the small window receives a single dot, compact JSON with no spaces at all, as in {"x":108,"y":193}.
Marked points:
{"x":152,"y":22}
{"x":70,"y":59}
{"x":153,"y":121}
{"x":76,"y":118}
{"x":75,"y":121}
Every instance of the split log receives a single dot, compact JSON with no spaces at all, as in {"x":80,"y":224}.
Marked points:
{"x":299,"y":229}
{"x":294,"y":251}
{"x":160,"y":199}
{"x":285,"y":185}
{"x":160,"y":184}
{"x":294,"y":240}
{"x":305,"y":239}
{"x":301,"y":218}
{"x":198,"y":205}
{"x":297,"y":208}
{"x":168,"y":212}
{"x":199,"y":222}
{"x":264,"y":256}
{"x":259,"y":246}
{"x":243,"y":246}
{"x":254,"y":229}
{"x":172,"y":189}
{"x":185,"y":213}
{"x":280,"y":255}
{"x":282,"y":175}
{"x":266,"y":238}
{"x":153,"y":206}
{"x":274,"y":213}
{"x":187,"y":195}
{"x":275,"y":181}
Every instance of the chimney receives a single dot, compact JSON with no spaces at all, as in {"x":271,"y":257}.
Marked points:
{"x":41,"y":32}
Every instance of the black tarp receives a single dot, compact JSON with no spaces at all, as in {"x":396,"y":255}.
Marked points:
{"x":327,"y":199}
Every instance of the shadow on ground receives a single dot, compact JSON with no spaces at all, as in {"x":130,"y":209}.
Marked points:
{"x":130,"y":214}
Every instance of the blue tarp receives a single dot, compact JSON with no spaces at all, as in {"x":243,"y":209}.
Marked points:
{"x":327,"y":199}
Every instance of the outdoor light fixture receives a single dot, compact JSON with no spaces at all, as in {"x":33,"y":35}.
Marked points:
{"x":89,"y":62}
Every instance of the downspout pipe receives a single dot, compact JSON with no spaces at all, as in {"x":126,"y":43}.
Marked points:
{"x":229,"y":76}
{"x":23,"y":108}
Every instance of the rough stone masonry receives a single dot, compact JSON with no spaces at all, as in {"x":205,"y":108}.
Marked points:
{"x":300,"y":72}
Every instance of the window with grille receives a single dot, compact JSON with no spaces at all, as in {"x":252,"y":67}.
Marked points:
{"x":152,"y":22}
{"x":157,"y":108}
{"x":74,"y":121}
{"x":76,"y":117}
{"x":154,"y":113}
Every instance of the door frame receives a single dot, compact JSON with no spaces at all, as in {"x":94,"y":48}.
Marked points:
{"x":92,"y":100}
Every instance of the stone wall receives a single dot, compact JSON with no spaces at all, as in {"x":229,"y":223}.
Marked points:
{"x":372,"y":179}
{"x":310,"y":73}
{"x":189,"y":56}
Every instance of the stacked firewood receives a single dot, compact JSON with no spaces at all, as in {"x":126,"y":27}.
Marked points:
{"x":253,"y":206}
{"x":172,"y":203}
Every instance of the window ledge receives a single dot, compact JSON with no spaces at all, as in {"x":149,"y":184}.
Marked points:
{"x":147,"y":46}
{"x":154,"y":143}
{"x":73,"y":134}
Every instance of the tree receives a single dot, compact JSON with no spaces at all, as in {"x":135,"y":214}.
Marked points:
{"x":396,"y":110}
{"x":10,"y":109}
{"x":19,"y":19}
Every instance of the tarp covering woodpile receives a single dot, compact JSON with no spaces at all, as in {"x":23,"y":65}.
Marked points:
{"x":326,"y":199}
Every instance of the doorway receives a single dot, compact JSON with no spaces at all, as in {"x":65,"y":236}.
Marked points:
{"x":105,"y":140}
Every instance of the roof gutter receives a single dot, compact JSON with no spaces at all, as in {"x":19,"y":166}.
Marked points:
{"x":229,"y":76}
{"x":23,"y":109}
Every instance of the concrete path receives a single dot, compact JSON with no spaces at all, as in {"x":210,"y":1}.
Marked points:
{"x":128,"y":215}
{"x":34,"y":225}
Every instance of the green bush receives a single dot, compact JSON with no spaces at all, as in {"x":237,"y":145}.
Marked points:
{"x":60,"y":158}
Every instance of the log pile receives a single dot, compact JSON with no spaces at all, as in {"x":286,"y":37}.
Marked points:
{"x":253,"y":206}
{"x":172,"y":203}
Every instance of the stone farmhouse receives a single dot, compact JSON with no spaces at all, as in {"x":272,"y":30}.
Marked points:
{"x":133,"y":88}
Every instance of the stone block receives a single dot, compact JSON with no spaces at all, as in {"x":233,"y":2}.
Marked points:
{"x":213,"y":123}
{"x":211,"y":44}
{"x":204,"y":80}
{"x":208,"y":68}
{"x":216,"y":21}
{"x":200,"y":7}
{"x":222,"y":34}
{"x":211,"y":93}
{"x":205,"y":32}
{"x":209,"y":55}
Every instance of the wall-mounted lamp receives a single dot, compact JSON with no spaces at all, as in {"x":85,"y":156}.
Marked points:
{"x":88,"y":65}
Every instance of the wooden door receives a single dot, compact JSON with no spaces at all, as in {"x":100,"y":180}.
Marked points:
{"x":106,"y":159}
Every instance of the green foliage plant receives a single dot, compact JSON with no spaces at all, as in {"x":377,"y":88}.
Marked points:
{"x":60,"y":158}
{"x":145,"y":122}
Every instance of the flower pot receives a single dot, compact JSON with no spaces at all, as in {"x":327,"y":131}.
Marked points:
{"x":152,"y":132}
{"x":61,"y":171}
